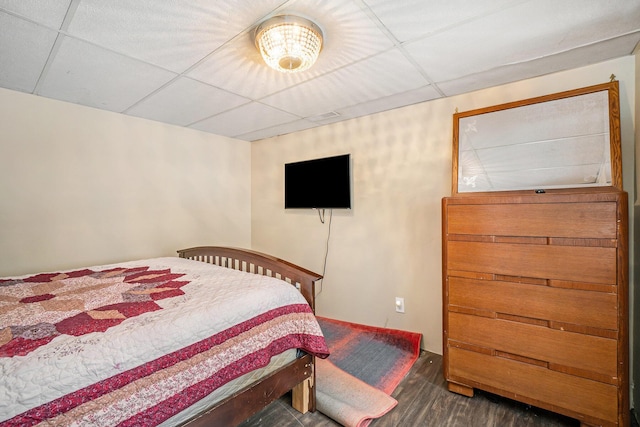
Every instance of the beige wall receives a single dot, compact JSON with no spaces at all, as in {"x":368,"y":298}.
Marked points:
{"x":80,"y":186}
{"x":389,"y":244}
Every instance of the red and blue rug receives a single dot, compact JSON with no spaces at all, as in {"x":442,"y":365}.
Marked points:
{"x":380,"y":357}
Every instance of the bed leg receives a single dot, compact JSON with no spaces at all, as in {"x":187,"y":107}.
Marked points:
{"x":301,"y":397}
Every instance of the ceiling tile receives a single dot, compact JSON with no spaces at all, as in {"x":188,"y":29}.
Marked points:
{"x":50,"y":13}
{"x":185,"y":101}
{"x":174,"y":35}
{"x":238,"y":67}
{"x":411,"y":19}
{"x":277,"y":130}
{"x":244,"y":119}
{"x":572,"y":23}
{"x":390,"y":102}
{"x":24,"y":48}
{"x":351,"y":85}
{"x":89,"y":75}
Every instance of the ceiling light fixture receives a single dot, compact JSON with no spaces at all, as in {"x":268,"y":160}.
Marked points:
{"x":288,"y":43}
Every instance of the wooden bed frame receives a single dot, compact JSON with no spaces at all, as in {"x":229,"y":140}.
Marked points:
{"x":297,"y":376}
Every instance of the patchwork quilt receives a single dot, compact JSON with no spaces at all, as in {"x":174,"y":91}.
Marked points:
{"x":135,"y":343}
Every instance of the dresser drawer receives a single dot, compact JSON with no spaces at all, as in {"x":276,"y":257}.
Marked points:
{"x":579,"y":307}
{"x":558,"y":350}
{"x":574,"y":263}
{"x":535,"y":385}
{"x":571,"y":220}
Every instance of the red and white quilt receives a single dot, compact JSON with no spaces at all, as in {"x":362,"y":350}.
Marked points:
{"x":135,"y":343}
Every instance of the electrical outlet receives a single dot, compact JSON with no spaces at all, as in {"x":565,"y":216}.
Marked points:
{"x":399,"y":305}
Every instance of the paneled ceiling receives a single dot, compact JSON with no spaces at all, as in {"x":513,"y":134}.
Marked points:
{"x":194,"y":64}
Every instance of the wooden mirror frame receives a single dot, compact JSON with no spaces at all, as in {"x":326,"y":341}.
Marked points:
{"x":614,"y":128}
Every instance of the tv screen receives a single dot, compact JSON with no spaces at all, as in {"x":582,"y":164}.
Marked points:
{"x":320,"y":183}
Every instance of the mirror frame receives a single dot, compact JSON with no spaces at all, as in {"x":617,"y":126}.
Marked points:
{"x":614,"y":129}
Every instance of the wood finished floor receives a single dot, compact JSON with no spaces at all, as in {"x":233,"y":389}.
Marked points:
{"x":423,"y":400}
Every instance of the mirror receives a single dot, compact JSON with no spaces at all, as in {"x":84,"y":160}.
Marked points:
{"x":565,"y":140}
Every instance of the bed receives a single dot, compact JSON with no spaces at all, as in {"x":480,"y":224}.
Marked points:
{"x":206,"y":338}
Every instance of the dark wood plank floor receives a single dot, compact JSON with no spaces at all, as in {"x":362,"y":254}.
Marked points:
{"x":423,"y":400}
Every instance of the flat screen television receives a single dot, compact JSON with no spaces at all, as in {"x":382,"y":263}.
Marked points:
{"x":323,"y":183}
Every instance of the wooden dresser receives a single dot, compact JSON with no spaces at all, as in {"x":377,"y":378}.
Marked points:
{"x":535,"y":299}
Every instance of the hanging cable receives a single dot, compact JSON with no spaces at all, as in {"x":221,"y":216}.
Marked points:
{"x":321,"y":215}
{"x":326,"y":252}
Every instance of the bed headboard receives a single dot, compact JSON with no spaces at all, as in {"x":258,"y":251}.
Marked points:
{"x":257,"y":263}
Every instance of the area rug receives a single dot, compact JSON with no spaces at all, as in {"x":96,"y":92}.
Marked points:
{"x":365,"y":366}
{"x":346,"y":399}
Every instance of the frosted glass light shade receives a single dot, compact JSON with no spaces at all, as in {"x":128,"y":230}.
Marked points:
{"x":289,"y":43}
